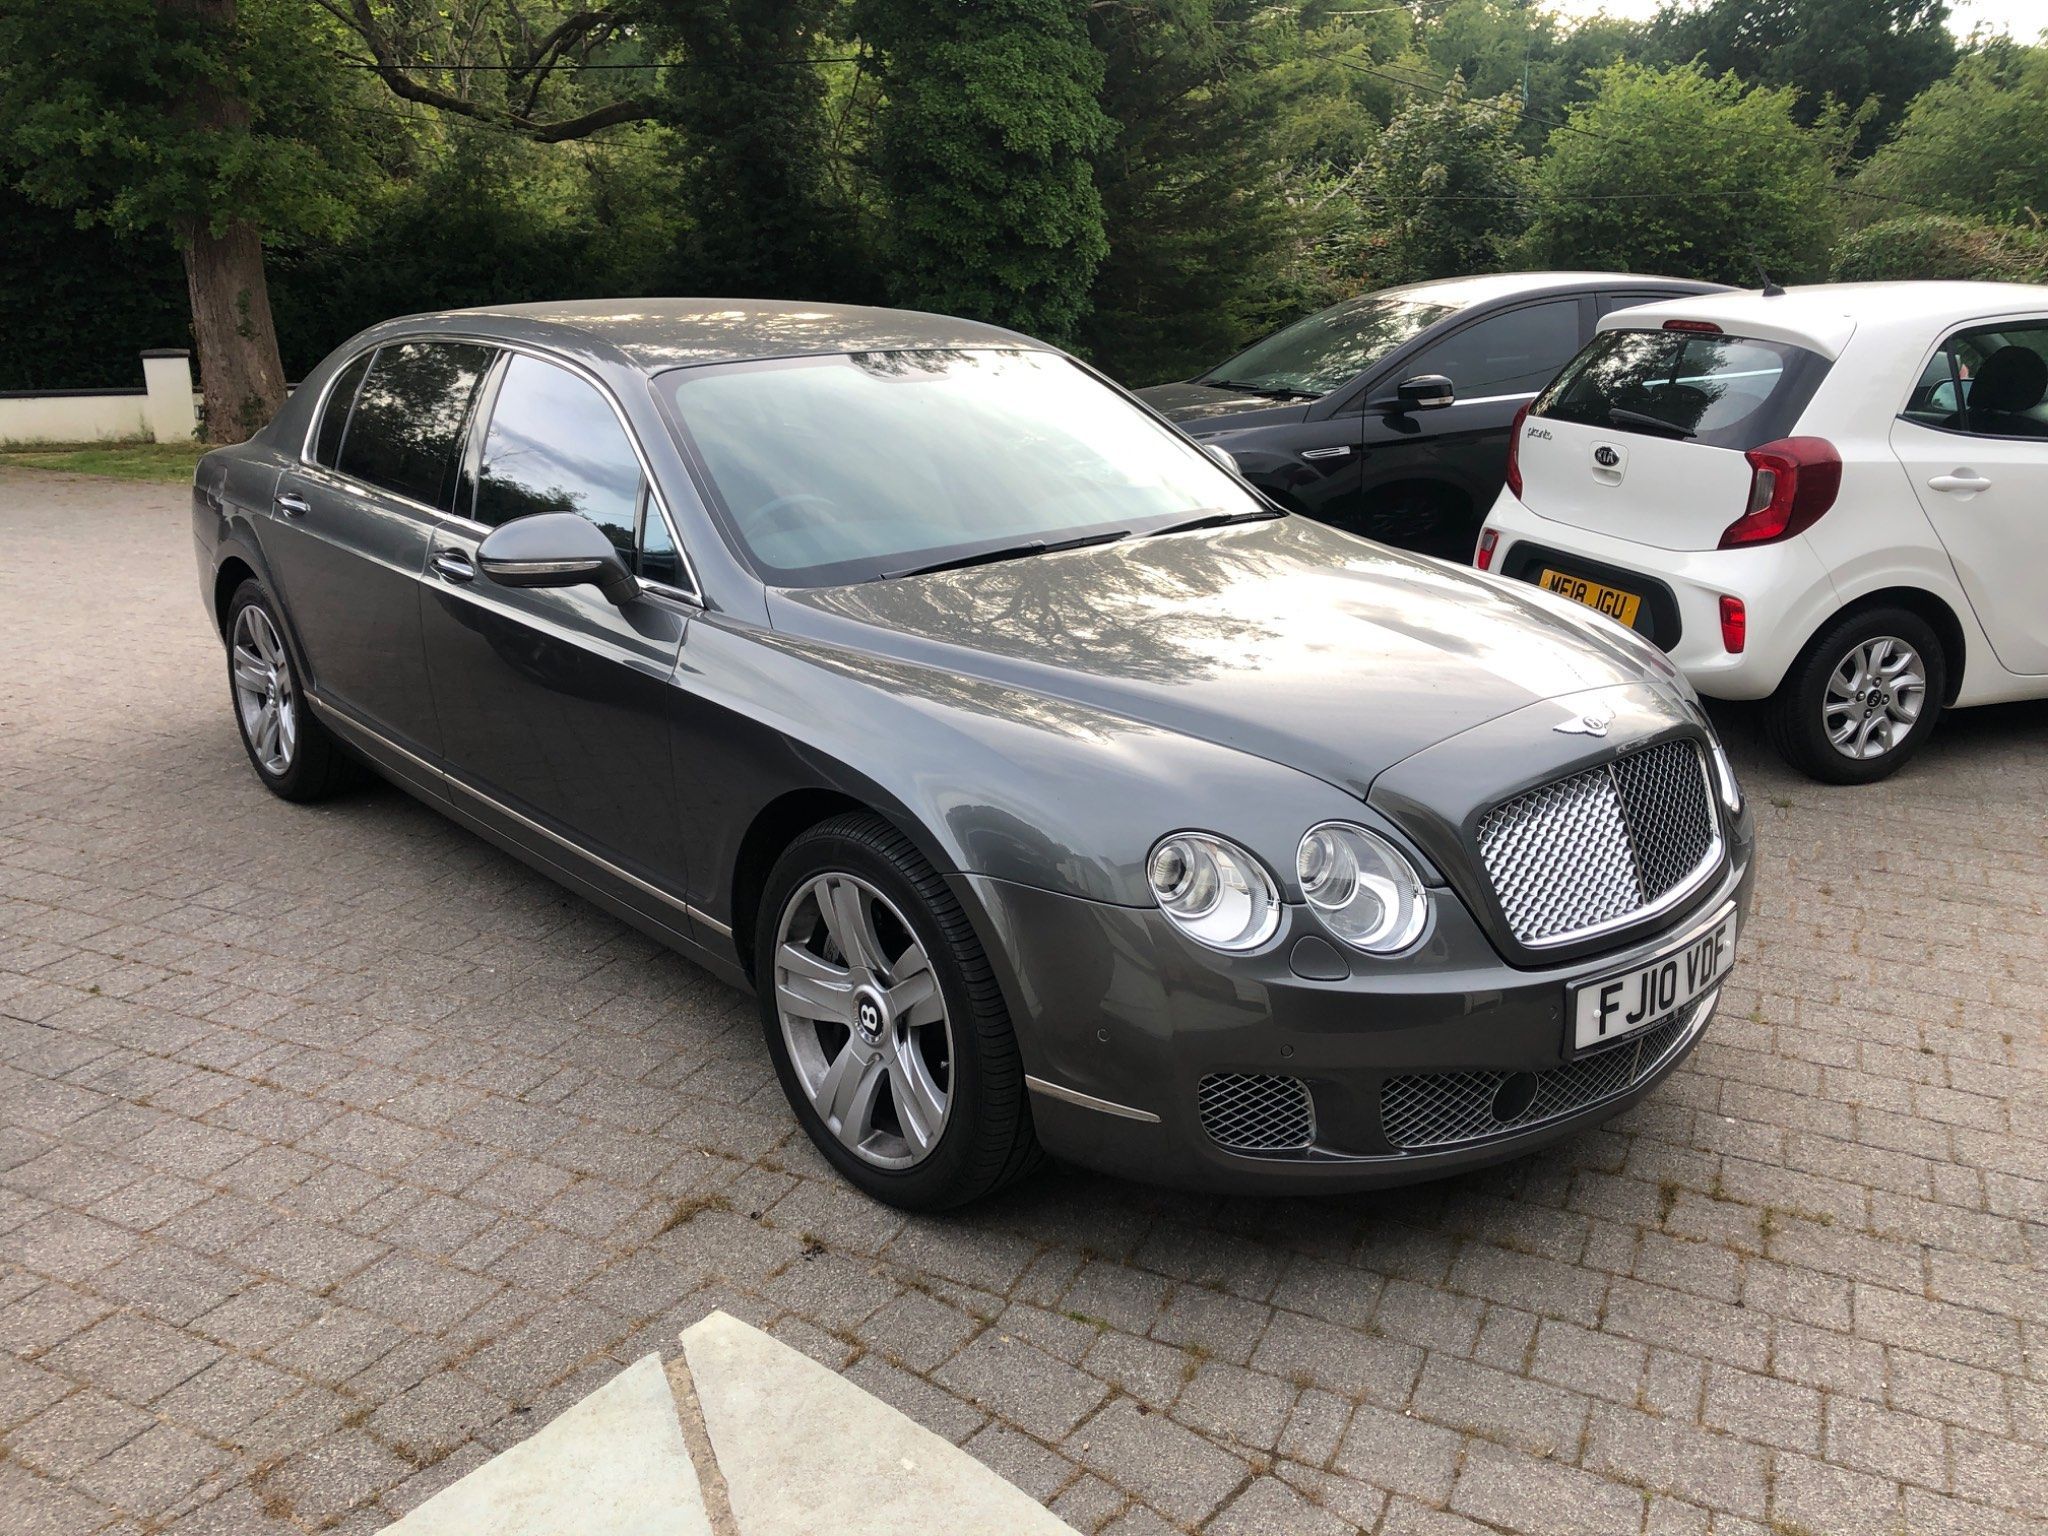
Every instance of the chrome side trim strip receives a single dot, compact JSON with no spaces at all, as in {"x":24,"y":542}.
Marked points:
{"x":349,"y":723}
{"x":1088,"y":1100}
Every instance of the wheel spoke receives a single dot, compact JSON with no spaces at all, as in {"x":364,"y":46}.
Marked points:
{"x":287,"y":730}
{"x":810,"y":988}
{"x":250,"y":671}
{"x":917,"y":1001}
{"x":846,"y":1094}
{"x":852,"y":925}
{"x":920,"y":1103}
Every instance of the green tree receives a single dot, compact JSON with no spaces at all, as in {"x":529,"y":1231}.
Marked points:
{"x":1448,"y":187}
{"x":1852,"y":50}
{"x":1683,"y":173}
{"x":1939,"y":246}
{"x":1193,"y":186}
{"x":1974,"y":144}
{"x":197,"y":119}
{"x":753,"y":152}
{"x":984,"y":156}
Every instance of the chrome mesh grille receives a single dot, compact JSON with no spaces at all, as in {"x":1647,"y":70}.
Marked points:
{"x":1595,"y":847}
{"x":1435,"y":1109}
{"x":1256,"y":1113}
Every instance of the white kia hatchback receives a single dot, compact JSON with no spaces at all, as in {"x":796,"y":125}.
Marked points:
{"x":1835,"y":498}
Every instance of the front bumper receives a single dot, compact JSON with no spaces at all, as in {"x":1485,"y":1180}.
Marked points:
{"x":1112,"y":1004}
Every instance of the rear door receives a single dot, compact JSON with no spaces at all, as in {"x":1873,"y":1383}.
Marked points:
{"x":1495,"y":363}
{"x":554,"y":704}
{"x":1974,"y":442}
{"x":352,"y":521}
{"x":1643,"y":437}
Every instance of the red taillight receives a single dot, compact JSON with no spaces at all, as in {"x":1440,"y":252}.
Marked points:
{"x":1483,"y":556}
{"x":1515,"y":454}
{"x":1734,"y":625}
{"x":1791,"y":483}
{"x":1701,"y":327}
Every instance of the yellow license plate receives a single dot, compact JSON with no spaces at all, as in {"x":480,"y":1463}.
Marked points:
{"x":1612,"y":601}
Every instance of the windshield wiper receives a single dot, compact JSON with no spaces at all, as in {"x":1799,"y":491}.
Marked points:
{"x":1268,"y":391}
{"x":1624,"y":417}
{"x":1008,"y":552}
{"x":1216,"y":517}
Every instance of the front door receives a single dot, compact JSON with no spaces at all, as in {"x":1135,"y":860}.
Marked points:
{"x":1974,"y":443}
{"x":351,"y":523}
{"x":555,"y":705}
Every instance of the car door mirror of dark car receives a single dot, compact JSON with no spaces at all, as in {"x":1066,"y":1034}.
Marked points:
{"x":555,"y":549}
{"x":1424,"y":392}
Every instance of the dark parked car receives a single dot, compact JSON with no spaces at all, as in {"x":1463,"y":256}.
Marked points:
{"x":1050,"y":788}
{"x":1387,"y":415}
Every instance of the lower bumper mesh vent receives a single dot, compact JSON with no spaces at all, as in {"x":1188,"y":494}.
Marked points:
{"x":1438,"y":1109}
{"x":1256,"y":1113}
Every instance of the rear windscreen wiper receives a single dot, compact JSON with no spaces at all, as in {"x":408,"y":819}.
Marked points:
{"x":1009,"y":552}
{"x":1627,"y":418}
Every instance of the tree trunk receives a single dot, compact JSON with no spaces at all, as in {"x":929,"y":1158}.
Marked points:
{"x":240,"y":374}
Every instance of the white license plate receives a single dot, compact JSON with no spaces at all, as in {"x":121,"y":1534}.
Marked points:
{"x":1648,"y":994}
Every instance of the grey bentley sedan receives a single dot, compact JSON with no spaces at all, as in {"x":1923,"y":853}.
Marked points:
{"x":1051,"y":789}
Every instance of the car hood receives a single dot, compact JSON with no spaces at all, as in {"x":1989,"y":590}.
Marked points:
{"x":1190,"y":404}
{"x":1281,"y":638}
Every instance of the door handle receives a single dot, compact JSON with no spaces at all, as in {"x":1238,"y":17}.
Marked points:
{"x":453,"y":565}
{"x":1961,"y":480}
{"x":292,"y":504}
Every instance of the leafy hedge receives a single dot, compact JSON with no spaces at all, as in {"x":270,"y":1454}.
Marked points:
{"x":1938,"y":246}
{"x":82,"y":304}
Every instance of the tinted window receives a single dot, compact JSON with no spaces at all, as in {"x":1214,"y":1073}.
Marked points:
{"x":555,"y":446}
{"x":1508,"y":354}
{"x":406,"y":433}
{"x":846,"y":468}
{"x":1724,"y":391}
{"x":1991,"y":381}
{"x":1315,"y":355}
{"x":334,"y":418}
{"x":658,"y":558}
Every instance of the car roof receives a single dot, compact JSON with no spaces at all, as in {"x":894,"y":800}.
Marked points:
{"x":1823,"y":316}
{"x":1487,"y":287}
{"x":655,"y":334}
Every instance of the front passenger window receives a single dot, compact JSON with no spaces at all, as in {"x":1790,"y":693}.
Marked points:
{"x":1515,"y":353}
{"x":555,"y":446}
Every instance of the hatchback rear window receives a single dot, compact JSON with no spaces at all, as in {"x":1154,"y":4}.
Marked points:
{"x":1724,"y":391}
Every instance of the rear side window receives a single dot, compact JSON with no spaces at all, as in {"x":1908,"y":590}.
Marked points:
{"x":406,"y":433}
{"x":341,"y":400}
{"x":1724,"y":391}
{"x":1991,"y":381}
{"x":1511,"y":354}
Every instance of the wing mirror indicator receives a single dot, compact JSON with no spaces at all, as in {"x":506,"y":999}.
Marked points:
{"x":556,"y":549}
{"x":1424,"y":392}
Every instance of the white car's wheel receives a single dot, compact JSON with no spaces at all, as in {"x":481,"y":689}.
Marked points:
{"x":1861,"y":698}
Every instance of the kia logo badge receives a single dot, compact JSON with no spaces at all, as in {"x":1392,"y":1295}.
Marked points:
{"x":1606,"y":457}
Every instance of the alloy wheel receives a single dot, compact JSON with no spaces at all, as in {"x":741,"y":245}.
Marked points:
{"x":1874,"y":698}
{"x":864,"y":1020}
{"x":264,"y":696}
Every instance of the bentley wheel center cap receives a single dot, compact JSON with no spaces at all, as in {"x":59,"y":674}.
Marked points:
{"x":870,"y":1016}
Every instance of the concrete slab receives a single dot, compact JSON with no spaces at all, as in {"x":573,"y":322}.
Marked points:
{"x":613,"y":1463}
{"x":805,"y":1452}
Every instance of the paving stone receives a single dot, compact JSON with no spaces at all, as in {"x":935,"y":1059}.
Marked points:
{"x":1474,"y":1400}
{"x":1029,"y":1388}
{"x":1403,"y":1454}
{"x":1172,"y":1469}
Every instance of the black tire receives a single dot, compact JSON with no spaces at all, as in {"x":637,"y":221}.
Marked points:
{"x":319,"y":765}
{"x":1795,"y":715}
{"x":988,"y":1139}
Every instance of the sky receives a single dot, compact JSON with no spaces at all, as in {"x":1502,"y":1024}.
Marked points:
{"x":2022,"y":18}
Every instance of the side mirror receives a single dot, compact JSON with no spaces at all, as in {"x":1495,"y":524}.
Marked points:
{"x":1424,"y":392}
{"x":555,"y":549}
{"x":1222,"y":456}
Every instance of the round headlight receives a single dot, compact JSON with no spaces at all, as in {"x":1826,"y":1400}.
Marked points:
{"x":1213,"y":891}
{"x":1362,"y":887}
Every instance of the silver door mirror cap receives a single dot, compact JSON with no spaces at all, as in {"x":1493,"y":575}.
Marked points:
{"x":555,"y":549}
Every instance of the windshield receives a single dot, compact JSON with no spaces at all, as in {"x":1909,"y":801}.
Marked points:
{"x":1313,"y":356}
{"x":828,"y":470}
{"x":1723,"y":391}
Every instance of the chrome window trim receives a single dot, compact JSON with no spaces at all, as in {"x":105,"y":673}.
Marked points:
{"x":693,"y":595}
{"x":1088,"y":1100}
{"x":1690,"y":886}
{"x":350,"y":723}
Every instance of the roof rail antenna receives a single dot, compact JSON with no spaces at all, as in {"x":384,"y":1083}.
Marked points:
{"x":1770,"y":289}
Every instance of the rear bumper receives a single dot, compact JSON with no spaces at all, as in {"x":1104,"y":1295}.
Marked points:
{"x":1785,"y":589}
{"x":1113,"y":1005}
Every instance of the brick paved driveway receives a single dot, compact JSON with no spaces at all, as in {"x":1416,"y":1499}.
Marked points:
{"x":340,"y":1151}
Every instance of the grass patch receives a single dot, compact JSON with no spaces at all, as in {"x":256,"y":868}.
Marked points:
{"x":167,"y":462}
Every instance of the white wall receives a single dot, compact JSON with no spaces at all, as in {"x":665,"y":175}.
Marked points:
{"x":164,"y":410}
